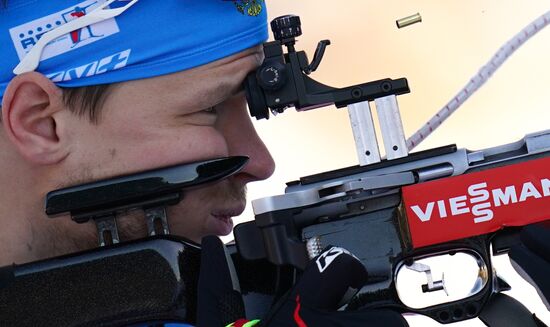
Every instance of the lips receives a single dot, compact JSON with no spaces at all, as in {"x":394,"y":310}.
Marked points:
{"x":228,"y":212}
{"x":224,"y":224}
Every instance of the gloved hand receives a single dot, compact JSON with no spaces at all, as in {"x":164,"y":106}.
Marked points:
{"x":219,"y":300}
{"x":531,"y":258}
{"x":329,"y":281}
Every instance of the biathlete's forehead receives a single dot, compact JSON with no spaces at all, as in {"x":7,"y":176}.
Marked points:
{"x":200,"y":87}
{"x":150,"y":38}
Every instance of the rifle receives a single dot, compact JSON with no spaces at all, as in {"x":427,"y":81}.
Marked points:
{"x":368,"y":209}
{"x":392,"y":213}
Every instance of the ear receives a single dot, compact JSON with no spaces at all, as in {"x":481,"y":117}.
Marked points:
{"x":28,"y":109}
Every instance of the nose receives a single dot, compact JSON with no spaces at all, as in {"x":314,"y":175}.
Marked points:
{"x":242,"y":139}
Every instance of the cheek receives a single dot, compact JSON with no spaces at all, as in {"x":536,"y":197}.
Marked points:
{"x":191,"y":144}
{"x":189,"y":218}
{"x":126,"y":151}
{"x":141,"y":138}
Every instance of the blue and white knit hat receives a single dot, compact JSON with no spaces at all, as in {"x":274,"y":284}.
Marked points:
{"x":148,"y":38}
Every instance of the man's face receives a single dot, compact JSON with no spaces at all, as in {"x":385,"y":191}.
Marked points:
{"x":183,"y":117}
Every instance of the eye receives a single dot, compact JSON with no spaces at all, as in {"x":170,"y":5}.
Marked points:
{"x":211,"y":110}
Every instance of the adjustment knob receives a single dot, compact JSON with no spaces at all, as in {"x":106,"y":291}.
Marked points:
{"x":272,"y":75}
{"x":285,"y":27}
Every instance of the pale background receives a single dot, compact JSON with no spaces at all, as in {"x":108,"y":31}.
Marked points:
{"x":438,"y":57}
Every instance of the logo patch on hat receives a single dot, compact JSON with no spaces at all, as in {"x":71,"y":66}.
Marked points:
{"x":25,"y":36}
{"x":250,"y":7}
{"x":96,"y":67}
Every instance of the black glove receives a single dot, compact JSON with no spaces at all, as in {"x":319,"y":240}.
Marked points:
{"x":531,"y":258}
{"x":219,"y":301}
{"x":328,"y":282}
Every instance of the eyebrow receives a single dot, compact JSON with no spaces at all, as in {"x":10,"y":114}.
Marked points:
{"x":218,"y":93}
{"x":225,"y":86}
